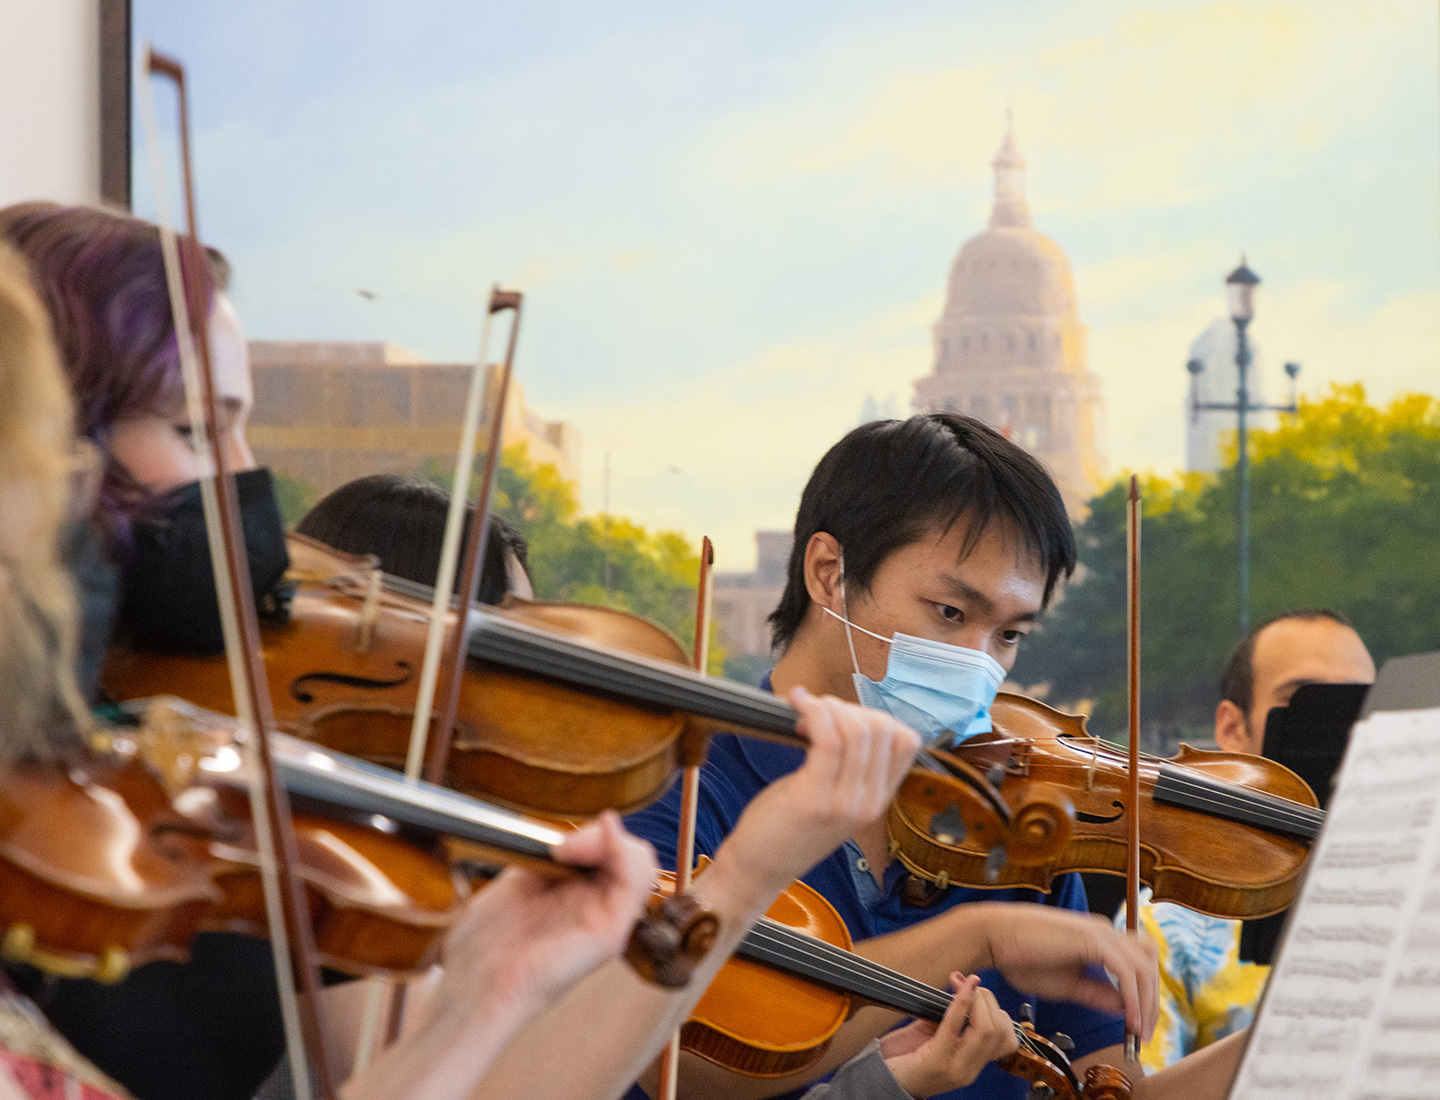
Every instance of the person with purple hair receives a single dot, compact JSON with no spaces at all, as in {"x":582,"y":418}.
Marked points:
{"x":143,"y":567}
{"x":102,"y":276}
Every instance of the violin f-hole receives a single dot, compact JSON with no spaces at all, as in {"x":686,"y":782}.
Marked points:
{"x":1101,"y":819}
{"x":301,"y":695}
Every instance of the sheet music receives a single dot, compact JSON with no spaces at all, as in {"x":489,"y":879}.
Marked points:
{"x":1353,"y":1007}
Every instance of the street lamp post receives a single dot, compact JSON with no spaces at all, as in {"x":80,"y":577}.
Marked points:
{"x":1240,"y":296}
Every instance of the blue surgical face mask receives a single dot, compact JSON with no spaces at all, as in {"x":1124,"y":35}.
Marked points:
{"x":941,"y":691}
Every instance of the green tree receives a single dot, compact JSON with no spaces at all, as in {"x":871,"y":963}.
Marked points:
{"x":295,"y":495}
{"x":605,"y":560}
{"x":1345,"y":513}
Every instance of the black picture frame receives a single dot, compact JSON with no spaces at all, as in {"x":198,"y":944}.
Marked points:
{"x":115,"y":93}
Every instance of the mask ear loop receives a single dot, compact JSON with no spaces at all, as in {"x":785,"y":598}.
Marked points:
{"x":845,"y":607}
{"x":845,"y":618}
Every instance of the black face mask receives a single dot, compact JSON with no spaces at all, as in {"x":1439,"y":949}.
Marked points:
{"x":169,"y":601}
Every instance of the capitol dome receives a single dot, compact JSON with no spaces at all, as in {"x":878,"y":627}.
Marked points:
{"x":1010,"y":345}
{"x":1010,"y":271}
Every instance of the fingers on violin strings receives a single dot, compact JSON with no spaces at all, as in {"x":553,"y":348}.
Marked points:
{"x":957,"y":1015}
{"x":587,"y":846}
{"x":997,"y":1027}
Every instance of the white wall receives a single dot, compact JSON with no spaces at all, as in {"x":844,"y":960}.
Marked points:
{"x":49,"y":100}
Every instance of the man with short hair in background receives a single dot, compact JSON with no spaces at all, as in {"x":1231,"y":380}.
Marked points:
{"x":1206,"y":992}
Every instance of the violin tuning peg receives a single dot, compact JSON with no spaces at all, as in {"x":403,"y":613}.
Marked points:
{"x":1041,"y":1091}
{"x":1063,"y":1043}
{"x":993,"y":863}
{"x":1027,"y":1013}
{"x":995,"y":775}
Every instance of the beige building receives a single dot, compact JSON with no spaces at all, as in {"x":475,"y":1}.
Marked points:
{"x":331,"y":411}
{"x":743,"y":601}
{"x":1010,"y":345}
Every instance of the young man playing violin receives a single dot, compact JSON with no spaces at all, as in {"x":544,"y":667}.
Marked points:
{"x":925,"y":550}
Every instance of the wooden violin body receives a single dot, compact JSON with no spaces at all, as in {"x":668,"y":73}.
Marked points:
{"x":773,"y":1009}
{"x":927,"y":822}
{"x":762,"y":1022}
{"x":100,"y":871}
{"x":1222,"y":833}
{"x":121,"y":857}
{"x":344,"y":672}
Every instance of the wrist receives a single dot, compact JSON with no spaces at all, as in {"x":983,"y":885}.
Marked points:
{"x":976,"y":925}
{"x":739,"y":894}
{"x":510,"y":994}
{"x":908,"y":1081}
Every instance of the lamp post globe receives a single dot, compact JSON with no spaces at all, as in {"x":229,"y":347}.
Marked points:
{"x":1240,"y":287}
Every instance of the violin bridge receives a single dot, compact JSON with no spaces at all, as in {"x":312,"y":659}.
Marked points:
{"x":370,"y":611}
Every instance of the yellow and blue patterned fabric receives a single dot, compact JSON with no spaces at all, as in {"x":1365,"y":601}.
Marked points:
{"x":1206,"y":992}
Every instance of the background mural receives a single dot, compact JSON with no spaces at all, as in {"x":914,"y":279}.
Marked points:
{"x":735,"y":225}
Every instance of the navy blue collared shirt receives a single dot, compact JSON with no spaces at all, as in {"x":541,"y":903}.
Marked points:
{"x":738,"y":768}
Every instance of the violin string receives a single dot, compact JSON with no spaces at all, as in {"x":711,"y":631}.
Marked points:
{"x":1170,"y":765}
{"x":847,"y":964}
{"x":1215,"y":793}
{"x":1181,"y":774}
{"x":1205,"y":790}
{"x":787,"y":940}
{"x":1203,"y":800}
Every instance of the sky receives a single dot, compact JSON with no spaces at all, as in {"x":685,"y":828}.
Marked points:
{"x":733,"y":221}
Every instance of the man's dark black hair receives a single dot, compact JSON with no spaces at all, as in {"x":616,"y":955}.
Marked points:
{"x":401,"y":520}
{"x":1237,"y":682}
{"x":890,"y":482}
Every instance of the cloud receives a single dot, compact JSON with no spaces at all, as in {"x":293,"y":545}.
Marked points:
{"x":734,"y":224}
{"x":1156,"y":105}
{"x":745,"y":437}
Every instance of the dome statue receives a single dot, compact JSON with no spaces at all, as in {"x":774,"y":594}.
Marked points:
{"x":1010,"y":345}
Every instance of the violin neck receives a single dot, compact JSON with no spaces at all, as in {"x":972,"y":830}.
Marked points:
{"x":782,"y":948}
{"x":520,"y":648}
{"x":352,"y":785}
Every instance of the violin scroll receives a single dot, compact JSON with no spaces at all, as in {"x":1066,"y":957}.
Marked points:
{"x":1042,"y":825}
{"x":1105,"y":1083}
{"x":1046,"y":1065}
{"x":671,"y":939}
{"x":936,"y":813}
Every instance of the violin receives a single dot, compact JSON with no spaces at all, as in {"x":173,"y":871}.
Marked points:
{"x":565,"y":710}
{"x":1221,"y":833}
{"x":774,"y":1007}
{"x":119,"y":859}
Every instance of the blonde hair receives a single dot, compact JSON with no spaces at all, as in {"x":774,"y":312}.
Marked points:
{"x":43,"y":712}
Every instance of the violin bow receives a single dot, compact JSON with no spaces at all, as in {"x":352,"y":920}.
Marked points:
{"x":439,"y":750}
{"x":288,"y":913}
{"x":1132,"y":676}
{"x":690,"y":791}
{"x":500,"y":300}
{"x":476,"y":538}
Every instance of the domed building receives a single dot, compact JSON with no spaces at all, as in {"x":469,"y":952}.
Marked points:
{"x":1010,"y":345}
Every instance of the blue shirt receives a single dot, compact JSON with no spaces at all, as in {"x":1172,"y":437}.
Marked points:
{"x":738,"y":768}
